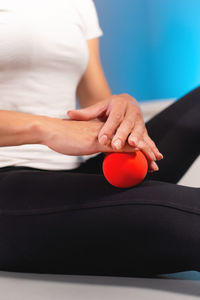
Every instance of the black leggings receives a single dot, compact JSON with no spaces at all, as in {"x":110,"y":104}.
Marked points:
{"x":75,"y":222}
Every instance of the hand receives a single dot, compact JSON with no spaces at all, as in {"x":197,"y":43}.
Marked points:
{"x":123,"y":122}
{"x":71,"y":137}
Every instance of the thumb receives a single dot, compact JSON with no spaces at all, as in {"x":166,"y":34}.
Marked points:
{"x":87,"y":113}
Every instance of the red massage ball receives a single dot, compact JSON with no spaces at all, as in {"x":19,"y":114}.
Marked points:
{"x":124,"y":170}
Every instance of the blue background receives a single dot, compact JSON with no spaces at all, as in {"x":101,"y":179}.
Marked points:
{"x":150,"y":48}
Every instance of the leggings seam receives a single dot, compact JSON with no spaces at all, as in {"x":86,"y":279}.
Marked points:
{"x":68,"y":209}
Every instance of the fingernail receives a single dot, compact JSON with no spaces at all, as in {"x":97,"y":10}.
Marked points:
{"x":155,"y":166}
{"x":103,"y":139}
{"x":159,"y":155}
{"x":134,"y":141}
{"x":117,"y":144}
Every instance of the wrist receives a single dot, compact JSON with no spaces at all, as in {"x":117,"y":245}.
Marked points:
{"x":40,"y":129}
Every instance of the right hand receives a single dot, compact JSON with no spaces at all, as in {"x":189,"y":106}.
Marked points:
{"x":75,"y":138}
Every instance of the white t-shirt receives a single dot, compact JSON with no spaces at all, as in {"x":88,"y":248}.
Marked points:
{"x":43,"y":54}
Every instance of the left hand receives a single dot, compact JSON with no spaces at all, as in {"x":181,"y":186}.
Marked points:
{"x":123,"y":120}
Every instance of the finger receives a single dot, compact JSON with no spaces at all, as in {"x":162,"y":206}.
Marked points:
{"x":112,"y":123}
{"x":153,"y":146}
{"x":152,"y":166}
{"x":146,"y":149}
{"x":137,"y":133}
{"x":119,"y":139}
{"x":88,"y":113}
{"x":108,"y":148}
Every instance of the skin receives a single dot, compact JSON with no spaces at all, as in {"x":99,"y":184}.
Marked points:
{"x":72,"y":137}
{"x":121,"y":114}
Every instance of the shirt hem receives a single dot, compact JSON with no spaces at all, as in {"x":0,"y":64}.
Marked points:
{"x":44,"y":166}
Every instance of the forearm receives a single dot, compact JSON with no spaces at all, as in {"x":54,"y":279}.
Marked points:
{"x":18,"y":128}
{"x":93,"y":86}
{"x":91,"y":94}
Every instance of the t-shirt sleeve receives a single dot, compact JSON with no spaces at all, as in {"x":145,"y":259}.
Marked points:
{"x":90,"y":20}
